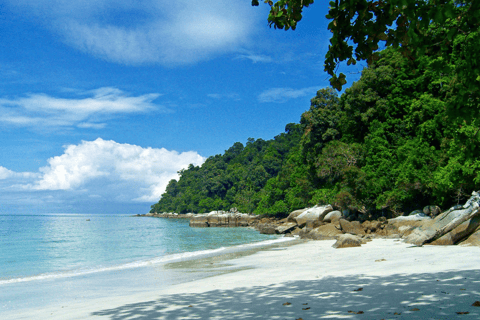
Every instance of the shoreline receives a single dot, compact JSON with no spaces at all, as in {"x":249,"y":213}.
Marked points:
{"x":309,"y":280}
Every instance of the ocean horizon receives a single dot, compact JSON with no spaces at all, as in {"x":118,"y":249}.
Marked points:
{"x":50,"y":258}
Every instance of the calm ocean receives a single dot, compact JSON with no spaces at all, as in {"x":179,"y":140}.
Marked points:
{"x":53,"y":258}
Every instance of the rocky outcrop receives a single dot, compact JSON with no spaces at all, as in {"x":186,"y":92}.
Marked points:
{"x":458,"y":225}
{"x":446,"y":222}
{"x":223,"y":219}
{"x":459,"y":233}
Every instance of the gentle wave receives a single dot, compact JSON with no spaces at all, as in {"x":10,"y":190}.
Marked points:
{"x":143,"y":263}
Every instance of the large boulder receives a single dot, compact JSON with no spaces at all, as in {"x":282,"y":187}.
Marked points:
{"x":291,"y":217}
{"x":324,"y":232}
{"x":332,"y":216}
{"x":266,"y":228}
{"x":472,"y":240}
{"x":347,"y":241}
{"x":445,"y":222}
{"x":285,"y":228}
{"x":352,"y":227}
{"x":315,"y":213}
{"x":459,"y":233}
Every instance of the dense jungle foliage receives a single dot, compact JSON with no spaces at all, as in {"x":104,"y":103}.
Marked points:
{"x":388,"y":145}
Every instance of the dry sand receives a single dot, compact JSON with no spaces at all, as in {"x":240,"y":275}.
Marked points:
{"x":383,"y":279}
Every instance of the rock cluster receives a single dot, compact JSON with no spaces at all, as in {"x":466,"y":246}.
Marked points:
{"x":223,"y":219}
{"x":458,"y":225}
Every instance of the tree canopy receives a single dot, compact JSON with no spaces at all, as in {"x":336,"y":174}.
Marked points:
{"x":386,"y":146}
{"x":418,"y":28}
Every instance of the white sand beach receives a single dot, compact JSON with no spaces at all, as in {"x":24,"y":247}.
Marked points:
{"x":383,"y":279}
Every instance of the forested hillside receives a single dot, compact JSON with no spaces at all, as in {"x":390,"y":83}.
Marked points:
{"x":388,"y":145}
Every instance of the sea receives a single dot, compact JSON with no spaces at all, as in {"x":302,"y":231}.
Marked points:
{"x":50,"y":259}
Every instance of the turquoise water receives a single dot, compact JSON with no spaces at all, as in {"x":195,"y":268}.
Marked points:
{"x":56,"y":257}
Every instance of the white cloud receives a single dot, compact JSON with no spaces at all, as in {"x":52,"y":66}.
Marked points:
{"x":41,"y":110}
{"x":151,"y":31}
{"x":254,"y":57}
{"x":114,"y":171}
{"x":281,"y":95}
{"x":9,"y":174}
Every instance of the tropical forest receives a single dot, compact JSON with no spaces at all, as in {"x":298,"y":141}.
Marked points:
{"x":405,"y":135}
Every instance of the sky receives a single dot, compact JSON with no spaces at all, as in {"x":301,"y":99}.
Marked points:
{"x":102,"y":102}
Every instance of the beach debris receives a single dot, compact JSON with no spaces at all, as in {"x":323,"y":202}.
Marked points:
{"x":287,"y":304}
{"x":190,"y":306}
{"x":359,"y":289}
{"x":415,"y":309}
{"x":356,"y":312}
{"x":380,"y":260}
{"x":476,"y":304}
{"x":462,"y":312}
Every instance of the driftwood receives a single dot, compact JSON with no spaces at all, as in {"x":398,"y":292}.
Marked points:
{"x":445,"y":222}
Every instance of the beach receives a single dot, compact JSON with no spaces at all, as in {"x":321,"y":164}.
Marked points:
{"x":383,"y":279}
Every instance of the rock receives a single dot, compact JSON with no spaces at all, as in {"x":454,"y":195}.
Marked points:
{"x":325,"y":232}
{"x":331,"y":216}
{"x":266,"y":228}
{"x":432,"y":211}
{"x":472,"y":240}
{"x":315,"y":213}
{"x":312,"y":224}
{"x":445,"y":222}
{"x":405,"y":225}
{"x":415,"y":212}
{"x":199,"y":221}
{"x":353,"y":227}
{"x":291,"y":217}
{"x":285,"y":228}
{"x":347,"y":241}
{"x":459,"y":233}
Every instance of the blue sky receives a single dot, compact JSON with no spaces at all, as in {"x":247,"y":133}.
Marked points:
{"x":102,"y":102}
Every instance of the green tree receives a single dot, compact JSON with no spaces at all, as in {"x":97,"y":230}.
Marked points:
{"x":417,"y":28}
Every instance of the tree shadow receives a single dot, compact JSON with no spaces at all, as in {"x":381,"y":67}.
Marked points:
{"x":419,"y":296}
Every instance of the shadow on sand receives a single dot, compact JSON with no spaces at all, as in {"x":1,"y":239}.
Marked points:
{"x":420,"y":296}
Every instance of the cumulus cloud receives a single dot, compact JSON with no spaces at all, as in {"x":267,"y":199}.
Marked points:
{"x":151,"y":31}
{"x":86,"y":110}
{"x":281,"y":95}
{"x":114,"y":171}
